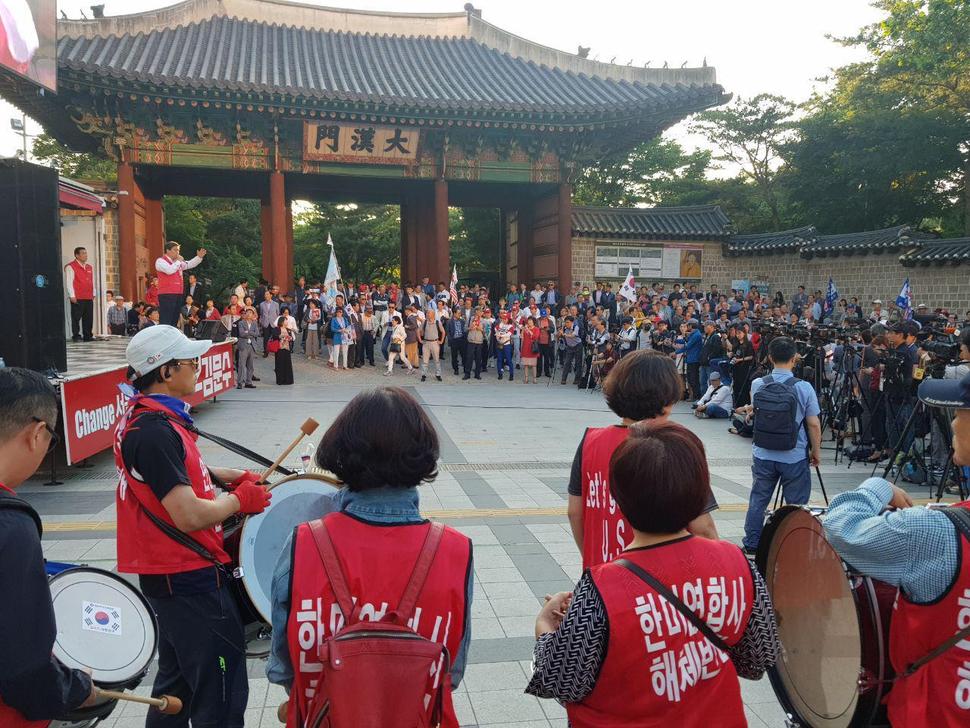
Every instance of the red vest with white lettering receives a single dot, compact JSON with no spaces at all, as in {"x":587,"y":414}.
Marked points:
{"x":605,"y":532}
{"x":659,"y":669}
{"x":11,"y":717}
{"x":938,"y":693}
{"x":83,"y":280}
{"x":142,"y":546}
{"x":377,"y":561}
{"x":170,"y":282}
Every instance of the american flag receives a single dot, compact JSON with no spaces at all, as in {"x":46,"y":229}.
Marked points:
{"x":454,"y":286}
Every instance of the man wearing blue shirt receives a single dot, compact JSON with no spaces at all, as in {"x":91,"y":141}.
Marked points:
{"x":692,"y":355}
{"x":790,"y":468}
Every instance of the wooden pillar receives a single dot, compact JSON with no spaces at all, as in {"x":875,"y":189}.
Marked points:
{"x":565,"y":247}
{"x":266,"y":233}
{"x":410,"y":238}
{"x":440,"y":257}
{"x":289,"y":278}
{"x":420,"y":239}
{"x":127,"y":261}
{"x":154,"y":227}
{"x":524,"y":220}
{"x":278,"y":239}
{"x":407,"y":212}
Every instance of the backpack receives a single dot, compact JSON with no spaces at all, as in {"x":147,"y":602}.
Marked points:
{"x":375,"y":674}
{"x":775,"y":413}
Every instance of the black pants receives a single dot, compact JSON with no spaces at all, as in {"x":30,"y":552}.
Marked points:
{"x":474,"y":357}
{"x":117,"y":329}
{"x":458,"y":350}
{"x":368,"y":349}
{"x":82,"y":319}
{"x":546,"y":361}
{"x":168,"y":308}
{"x":571,"y":361}
{"x":201,"y":659}
{"x":694,"y":381}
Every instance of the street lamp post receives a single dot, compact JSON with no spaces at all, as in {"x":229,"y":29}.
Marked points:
{"x":20,"y":126}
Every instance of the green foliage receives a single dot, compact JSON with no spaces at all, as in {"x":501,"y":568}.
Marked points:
{"x":79,"y":166}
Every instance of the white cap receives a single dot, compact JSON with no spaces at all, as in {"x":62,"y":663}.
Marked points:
{"x":155,"y":345}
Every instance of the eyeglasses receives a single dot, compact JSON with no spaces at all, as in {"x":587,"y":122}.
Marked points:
{"x":194,"y":363}
{"x":55,"y":438}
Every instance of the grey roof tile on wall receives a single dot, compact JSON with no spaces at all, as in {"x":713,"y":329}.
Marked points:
{"x":701,"y":222}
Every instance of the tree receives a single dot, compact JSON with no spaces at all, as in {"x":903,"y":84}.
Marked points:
{"x":76,"y":165}
{"x":651,"y":174}
{"x":749,"y":135}
{"x":921,"y":58}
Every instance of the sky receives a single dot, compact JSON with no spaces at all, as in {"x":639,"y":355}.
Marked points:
{"x":757,"y":46}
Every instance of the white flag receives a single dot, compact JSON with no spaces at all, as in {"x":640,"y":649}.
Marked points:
{"x":629,"y":288}
{"x":333,"y":271}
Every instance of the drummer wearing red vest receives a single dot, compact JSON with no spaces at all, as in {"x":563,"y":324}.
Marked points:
{"x":171,"y":287}
{"x":644,"y":385}
{"x":79,"y":284}
{"x":660,"y":635}
{"x":926,"y":553}
{"x":35,"y":687}
{"x":378,"y":533}
{"x":170,"y":533}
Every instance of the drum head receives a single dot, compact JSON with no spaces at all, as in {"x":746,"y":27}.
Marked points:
{"x":816,"y":677}
{"x":103,"y":624}
{"x":296,"y":499}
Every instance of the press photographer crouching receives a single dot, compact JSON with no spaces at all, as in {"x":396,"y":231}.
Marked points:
{"x":925,"y":553}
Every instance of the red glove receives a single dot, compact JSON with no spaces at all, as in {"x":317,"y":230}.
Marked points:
{"x":247,"y":475}
{"x":253,"y":498}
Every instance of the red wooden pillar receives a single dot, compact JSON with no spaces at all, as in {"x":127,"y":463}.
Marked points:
{"x":289,"y":277}
{"x":266,"y":233}
{"x":420,"y":236}
{"x":440,"y":258}
{"x":127,"y":264}
{"x":277,"y":204}
{"x":565,"y":253}
{"x":406,"y":212}
{"x":154,"y":227}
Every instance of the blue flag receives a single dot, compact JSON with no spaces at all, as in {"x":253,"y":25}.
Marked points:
{"x":904,"y":301}
{"x":831,"y":296}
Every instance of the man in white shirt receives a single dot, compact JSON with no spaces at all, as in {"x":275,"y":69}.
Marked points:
{"x":716,"y":402}
{"x":171,"y":287}
{"x":79,"y":284}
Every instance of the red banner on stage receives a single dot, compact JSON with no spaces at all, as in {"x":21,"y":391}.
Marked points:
{"x":91,"y":406}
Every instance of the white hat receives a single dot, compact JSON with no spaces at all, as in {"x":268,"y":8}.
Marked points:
{"x":155,"y":345}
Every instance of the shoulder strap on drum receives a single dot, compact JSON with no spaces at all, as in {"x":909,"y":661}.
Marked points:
{"x":18,"y":504}
{"x":676,"y":603}
{"x":960,"y":517}
{"x":176,"y":534}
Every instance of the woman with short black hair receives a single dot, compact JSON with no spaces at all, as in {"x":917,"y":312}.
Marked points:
{"x":382,"y":446}
{"x":640,"y":664}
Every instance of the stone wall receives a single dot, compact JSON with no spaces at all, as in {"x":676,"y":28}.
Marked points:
{"x":112,"y":269}
{"x":865,"y":276}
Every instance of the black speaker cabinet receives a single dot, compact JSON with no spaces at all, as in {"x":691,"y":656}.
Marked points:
{"x":211,"y":329}
{"x":32,"y":331}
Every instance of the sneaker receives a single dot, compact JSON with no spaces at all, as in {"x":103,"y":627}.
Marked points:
{"x":250,"y":386}
{"x":500,"y":376}
{"x":387,"y":373}
{"x":424,"y":378}
{"x":438,"y":377}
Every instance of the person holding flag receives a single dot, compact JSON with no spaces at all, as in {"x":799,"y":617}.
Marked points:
{"x":333,"y":274}
{"x":904,"y":301}
{"x":629,"y":288}
{"x":831,"y":298}
{"x":453,"y":290}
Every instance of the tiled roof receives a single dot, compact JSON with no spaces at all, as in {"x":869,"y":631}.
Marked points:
{"x":701,"y":222}
{"x":779,"y":242}
{"x":870,"y":241}
{"x":440,"y":73}
{"x":939,"y":252}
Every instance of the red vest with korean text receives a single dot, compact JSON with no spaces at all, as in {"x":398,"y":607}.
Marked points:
{"x":938,"y":693}
{"x":83,"y":280}
{"x":377,"y":561}
{"x":170,"y":282}
{"x":142,"y":546}
{"x":659,"y":669}
{"x":605,"y":532}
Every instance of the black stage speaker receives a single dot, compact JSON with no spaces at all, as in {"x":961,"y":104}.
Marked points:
{"x":209,"y":329}
{"x":32,"y":332}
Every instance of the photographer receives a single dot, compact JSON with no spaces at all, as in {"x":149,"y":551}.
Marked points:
{"x":925,"y":553}
{"x":896,"y":374}
{"x":712,"y":349}
{"x":938,"y":447}
{"x":786,"y":424}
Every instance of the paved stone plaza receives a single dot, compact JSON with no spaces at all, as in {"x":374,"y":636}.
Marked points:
{"x":505,"y":455}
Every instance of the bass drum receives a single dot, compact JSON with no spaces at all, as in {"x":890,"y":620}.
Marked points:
{"x":833,"y":624}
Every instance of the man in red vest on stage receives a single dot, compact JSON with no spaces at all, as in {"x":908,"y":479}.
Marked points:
{"x":79,"y":283}
{"x":171,"y":287}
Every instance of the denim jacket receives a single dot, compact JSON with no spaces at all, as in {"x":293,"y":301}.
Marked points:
{"x":378,"y":505}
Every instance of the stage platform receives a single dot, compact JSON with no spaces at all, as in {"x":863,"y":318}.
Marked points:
{"x":88,"y":358}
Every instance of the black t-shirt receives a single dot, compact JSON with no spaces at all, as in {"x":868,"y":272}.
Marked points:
{"x":154,"y":454}
{"x":576,"y":476}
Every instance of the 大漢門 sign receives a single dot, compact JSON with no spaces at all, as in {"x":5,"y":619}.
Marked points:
{"x":359,"y":142}
{"x":91,"y":406}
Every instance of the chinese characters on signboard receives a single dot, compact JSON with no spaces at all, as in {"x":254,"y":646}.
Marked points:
{"x":359,"y":142}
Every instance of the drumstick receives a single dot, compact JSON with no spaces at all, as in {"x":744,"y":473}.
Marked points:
{"x":308,"y":428}
{"x":166,"y":704}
